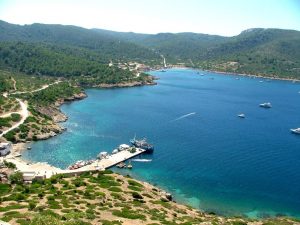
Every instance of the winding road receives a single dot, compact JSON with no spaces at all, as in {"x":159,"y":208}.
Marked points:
{"x":24,"y":108}
{"x":24,"y":114}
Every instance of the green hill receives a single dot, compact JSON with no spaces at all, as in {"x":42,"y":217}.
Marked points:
{"x":108,"y":46}
{"x":268,"y":52}
{"x":48,"y":59}
{"x":257,"y":51}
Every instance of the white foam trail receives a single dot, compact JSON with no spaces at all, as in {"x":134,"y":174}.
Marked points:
{"x":184,"y":116}
{"x":142,"y":160}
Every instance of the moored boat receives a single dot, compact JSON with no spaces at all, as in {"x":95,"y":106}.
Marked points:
{"x":129,"y":166}
{"x":80,"y":164}
{"x":142,"y":143}
{"x":242,"y":115}
{"x":296,"y":130}
{"x":265,"y":105}
{"x":121,"y":165}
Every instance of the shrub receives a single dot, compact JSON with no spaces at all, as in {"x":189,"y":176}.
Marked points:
{"x":19,"y":197}
{"x":31,"y":205}
{"x":134,"y":183}
{"x":15,"y":117}
{"x":41,"y":195}
{"x":16,"y":178}
{"x":130,"y":214}
{"x":115,"y":189}
{"x":136,"y":195}
{"x":134,"y":188}
{"x":4,"y":189}
{"x":9,"y":165}
{"x":10,"y":136}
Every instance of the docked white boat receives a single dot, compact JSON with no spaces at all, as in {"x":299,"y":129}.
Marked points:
{"x":142,"y":160}
{"x":265,"y":105}
{"x":242,"y":115}
{"x":296,"y":131}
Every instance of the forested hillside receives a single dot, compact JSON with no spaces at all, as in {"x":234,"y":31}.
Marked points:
{"x":268,"y":52}
{"x":257,"y":51}
{"x":109,"y":47}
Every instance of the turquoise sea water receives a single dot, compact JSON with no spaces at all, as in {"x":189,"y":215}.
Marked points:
{"x":204,"y":154}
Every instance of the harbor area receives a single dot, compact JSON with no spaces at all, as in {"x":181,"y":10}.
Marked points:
{"x":41,"y":170}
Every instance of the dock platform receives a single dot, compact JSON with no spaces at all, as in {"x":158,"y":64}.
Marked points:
{"x":103,"y":164}
{"x":43,"y":170}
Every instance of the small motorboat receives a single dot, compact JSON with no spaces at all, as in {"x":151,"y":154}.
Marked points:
{"x":242,"y":115}
{"x":266,"y":105}
{"x":129,"y":166}
{"x":121,"y":165}
{"x":296,"y":131}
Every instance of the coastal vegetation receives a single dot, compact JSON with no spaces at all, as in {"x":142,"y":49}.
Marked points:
{"x":58,"y":50}
{"x":266,"y":52}
{"x":85,"y":68}
{"x":7,"y":121}
{"x":100,"y":198}
{"x":8,"y":105}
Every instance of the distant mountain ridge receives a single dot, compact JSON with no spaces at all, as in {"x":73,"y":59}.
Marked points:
{"x":268,"y":52}
{"x":73,"y":36}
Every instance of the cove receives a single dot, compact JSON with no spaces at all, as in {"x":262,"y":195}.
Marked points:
{"x":204,"y":154}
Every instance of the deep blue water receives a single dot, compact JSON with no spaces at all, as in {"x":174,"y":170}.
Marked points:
{"x":211,"y":159}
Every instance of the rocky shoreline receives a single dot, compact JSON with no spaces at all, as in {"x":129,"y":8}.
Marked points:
{"x":57,"y":115}
{"x":254,"y":75}
{"x":229,"y":73}
{"x":124,"y":85}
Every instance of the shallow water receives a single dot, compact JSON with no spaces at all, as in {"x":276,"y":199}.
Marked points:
{"x":204,"y":154}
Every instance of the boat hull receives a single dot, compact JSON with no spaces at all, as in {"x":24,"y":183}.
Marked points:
{"x":145,"y":146}
{"x":294,"y":131}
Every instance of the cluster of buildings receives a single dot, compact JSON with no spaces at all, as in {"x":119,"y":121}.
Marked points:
{"x":133,"y":67}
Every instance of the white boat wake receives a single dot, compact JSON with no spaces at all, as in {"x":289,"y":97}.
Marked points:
{"x":141,"y":160}
{"x":184,"y":116}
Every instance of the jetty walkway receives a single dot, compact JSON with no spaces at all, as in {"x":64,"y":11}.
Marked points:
{"x":42,"y":170}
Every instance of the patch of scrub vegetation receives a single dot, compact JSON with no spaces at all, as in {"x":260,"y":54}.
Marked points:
{"x":8,"y":105}
{"x":33,"y":127}
{"x":7,"y":122}
{"x":23,"y":82}
{"x":99,"y":198}
{"x":51,"y":94}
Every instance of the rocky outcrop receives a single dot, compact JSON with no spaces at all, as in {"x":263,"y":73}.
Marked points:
{"x":75,"y":97}
{"x":55,"y":113}
{"x":127,"y":84}
{"x":165,"y":196}
{"x":45,"y":136}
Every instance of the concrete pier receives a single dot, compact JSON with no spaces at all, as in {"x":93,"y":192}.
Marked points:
{"x":43,"y":170}
{"x":106,"y":163}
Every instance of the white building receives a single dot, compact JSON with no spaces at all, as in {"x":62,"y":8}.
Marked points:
{"x":5,"y":148}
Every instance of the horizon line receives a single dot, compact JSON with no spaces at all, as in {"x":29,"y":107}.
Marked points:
{"x":165,"y":32}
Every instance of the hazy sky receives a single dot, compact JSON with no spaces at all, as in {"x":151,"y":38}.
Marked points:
{"x":223,"y":17}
